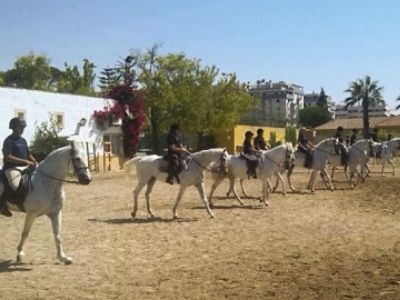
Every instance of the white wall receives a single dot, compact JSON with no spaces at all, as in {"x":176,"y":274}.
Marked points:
{"x":40,"y":105}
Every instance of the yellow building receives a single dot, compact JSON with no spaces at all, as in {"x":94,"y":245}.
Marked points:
{"x":233,"y":139}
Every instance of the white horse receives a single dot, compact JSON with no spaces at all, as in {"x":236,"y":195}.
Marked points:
{"x":148,"y":170}
{"x":46,"y":195}
{"x":389,"y":150}
{"x":321,"y":153}
{"x":359,"y":156}
{"x":271,"y":162}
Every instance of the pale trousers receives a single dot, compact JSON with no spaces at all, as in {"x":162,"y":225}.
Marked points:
{"x":14,"y":176}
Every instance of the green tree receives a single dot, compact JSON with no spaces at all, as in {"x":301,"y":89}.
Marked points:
{"x":30,"y":72}
{"x":312,"y":116}
{"x":369,"y":93}
{"x":109,"y":78}
{"x":322,"y":99}
{"x":46,"y":140}
{"x":71,"y":81}
{"x":290,"y":135}
{"x":180,"y":89}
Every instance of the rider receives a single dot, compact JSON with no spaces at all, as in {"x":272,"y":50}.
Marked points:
{"x":341,"y":147}
{"x":374,"y":136}
{"x":304,"y":146}
{"x":259,"y":141}
{"x":16,"y":157}
{"x":353,"y":137}
{"x":250,"y":154}
{"x":175,"y":150}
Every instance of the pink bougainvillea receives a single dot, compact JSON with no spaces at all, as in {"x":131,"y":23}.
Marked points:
{"x":128,"y":107}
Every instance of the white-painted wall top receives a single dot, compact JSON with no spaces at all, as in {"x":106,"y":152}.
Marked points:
{"x":38,"y":106}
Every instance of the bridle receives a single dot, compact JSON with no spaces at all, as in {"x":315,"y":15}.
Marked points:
{"x":286,"y":162}
{"x":76,"y":169}
{"x":217,"y":170}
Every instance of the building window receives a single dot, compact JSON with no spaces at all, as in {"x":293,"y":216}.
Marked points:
{"x":58,"y":119}
{"x":20,"y":113}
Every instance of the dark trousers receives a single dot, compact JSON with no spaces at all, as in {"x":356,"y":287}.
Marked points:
{"x":174,"y":167}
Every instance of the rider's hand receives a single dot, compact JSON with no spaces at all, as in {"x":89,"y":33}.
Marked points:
{"x":31,"y":163}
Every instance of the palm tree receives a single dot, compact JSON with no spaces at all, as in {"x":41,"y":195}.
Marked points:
{"x":369,"y":93}
{"x":398,"y":106}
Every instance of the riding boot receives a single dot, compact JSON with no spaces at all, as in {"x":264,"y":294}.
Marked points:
{"x":170,"y":178}
{"x":4,"y":208}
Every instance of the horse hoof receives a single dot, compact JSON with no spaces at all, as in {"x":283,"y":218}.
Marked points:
{"x":19,"y":258}
{"x":133,"y":215}
{"x":68,"y":261}
{"x":266,"y":203}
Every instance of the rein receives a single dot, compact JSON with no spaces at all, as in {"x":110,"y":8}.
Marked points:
{"x":204,"y":168}
{"x":201,"y":166}
{"x":76,"y":169}
{"x":57,"y":179}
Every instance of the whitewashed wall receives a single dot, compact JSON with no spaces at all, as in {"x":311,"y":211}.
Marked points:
{"x":39,"y":106}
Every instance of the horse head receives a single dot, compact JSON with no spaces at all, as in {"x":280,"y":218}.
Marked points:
{"x":290,"y":155}
{"x":79,"y":167}
{"x":222,"y":166}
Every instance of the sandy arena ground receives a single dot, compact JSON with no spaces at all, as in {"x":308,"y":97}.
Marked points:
{"x":328,"y":245}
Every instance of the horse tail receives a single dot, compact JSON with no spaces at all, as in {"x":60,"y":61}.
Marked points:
{"x":130,"y":165}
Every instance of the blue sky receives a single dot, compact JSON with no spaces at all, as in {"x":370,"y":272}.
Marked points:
{"x":314,"y":43}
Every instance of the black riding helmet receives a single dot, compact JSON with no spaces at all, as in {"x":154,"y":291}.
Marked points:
{"x":17,"y":122}
{"x":260,"y":131}
{"x":249,"y":134}
{"x":174,"y":127}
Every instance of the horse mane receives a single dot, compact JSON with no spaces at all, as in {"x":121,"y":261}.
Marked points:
{"x":201,"y":152}
{"x":324,"y":141}
{"x":55,"y":153}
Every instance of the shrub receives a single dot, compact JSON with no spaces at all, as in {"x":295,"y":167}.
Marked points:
{"x":46,"y":140}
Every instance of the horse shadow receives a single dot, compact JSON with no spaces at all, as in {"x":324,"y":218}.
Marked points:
{"x":120,"y":221}
{"x":232,"y":206}
{"x":12,"y":266}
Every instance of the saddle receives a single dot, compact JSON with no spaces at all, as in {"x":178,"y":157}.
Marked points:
{"x":17,"y":197}
{"x":251,"y":164}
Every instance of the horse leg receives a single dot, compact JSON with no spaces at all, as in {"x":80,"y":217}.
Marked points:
{"x":265,"y":188}
{"x":230,"y":190}
{"x":276,"y":184}
{"x":329,"y":181}
{"x":241,"y":186}
{"x":348,"y":178}
{"x":24,"y":235}
{"x":311,"y":182}
{"x":136,"y":192}
{"x":202,"y":191}
{"x":280,"y":178}
{"x":393,"y":167}
{"x":333,"y":173}
{"x":178,"y":199}
{"x":55,"y":219}
{"x":383,"y":167}
{"x":150,"y":185}
{"x":288,"y":176}
{"x":215,"y":184}
{"x":232,"y":183}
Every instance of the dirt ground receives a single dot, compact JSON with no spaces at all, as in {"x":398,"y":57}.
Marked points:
{"x":327,"y":245}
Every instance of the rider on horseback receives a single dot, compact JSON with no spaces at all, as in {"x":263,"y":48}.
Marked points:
{"x":175,"y":150}
{"x":259,"y":141}
{"x":250,"y":154}
{"x":16,"y":157}
{"x":341,"y":147}
{"x":304,"y":146}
